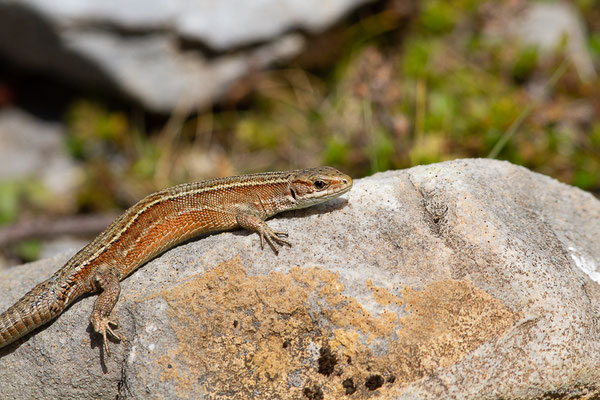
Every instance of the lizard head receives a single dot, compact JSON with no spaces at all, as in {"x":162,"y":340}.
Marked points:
{"x":317,"y":185}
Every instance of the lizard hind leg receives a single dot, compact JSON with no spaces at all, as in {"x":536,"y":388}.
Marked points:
{"x":106,"y":280}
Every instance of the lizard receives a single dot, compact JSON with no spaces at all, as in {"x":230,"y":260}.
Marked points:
{"x":157,"y":223}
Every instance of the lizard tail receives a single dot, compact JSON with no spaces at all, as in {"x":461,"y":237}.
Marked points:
{"x":36,"y":308}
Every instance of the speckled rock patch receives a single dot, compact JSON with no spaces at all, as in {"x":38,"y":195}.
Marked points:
{"x":293,"y":335}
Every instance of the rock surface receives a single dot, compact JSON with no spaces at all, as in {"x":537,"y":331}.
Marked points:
{"x":138,"y":46}
{"x":33,"y":149}
{"x":468,"y":279}
{"x":548,"y":26}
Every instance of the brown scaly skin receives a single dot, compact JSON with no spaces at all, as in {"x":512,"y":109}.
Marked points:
{"x":159,"y":222}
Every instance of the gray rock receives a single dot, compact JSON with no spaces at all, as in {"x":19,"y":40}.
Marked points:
{"x":467,"y":279}
{"x":134,"y":46}
{"x":34,"y":149}
{"x":546,"y":25}
{"x":221,"y":25}
{"x":158,"y":74}
{"x":61,"y":245}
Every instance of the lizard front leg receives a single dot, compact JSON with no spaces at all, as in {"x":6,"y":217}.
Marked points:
{"x":254,"y":223}
{"x":107,"y":280}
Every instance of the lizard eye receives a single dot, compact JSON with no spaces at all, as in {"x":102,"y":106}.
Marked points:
{"x":319,"y":185}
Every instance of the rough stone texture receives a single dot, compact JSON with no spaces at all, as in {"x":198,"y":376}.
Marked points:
{"x":467,"y":279}
{"x":136,"y":45}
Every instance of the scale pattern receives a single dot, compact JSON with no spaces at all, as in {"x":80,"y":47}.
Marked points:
{"x":159,"y":222}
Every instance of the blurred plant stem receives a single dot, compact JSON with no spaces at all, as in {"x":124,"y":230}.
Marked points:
{"x":517,"y":123}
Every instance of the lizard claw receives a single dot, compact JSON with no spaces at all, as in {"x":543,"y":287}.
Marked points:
{"x":256,"y":224}
{"x":102,"y":325}
{"x":275,"y":239}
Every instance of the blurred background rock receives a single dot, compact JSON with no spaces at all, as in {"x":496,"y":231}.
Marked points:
{"x":104,"y":102}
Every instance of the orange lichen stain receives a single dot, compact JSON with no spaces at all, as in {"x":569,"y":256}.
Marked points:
{"x":446,"y":320}
{"x":295,"y":334}
{"x":383,"y":296}
{"x":270,"y":361}
{"x":348,"y":339}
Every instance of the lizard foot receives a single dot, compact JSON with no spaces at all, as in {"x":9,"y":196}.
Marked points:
{"x":273,"y":238}
{"x":102,"y":325}
{"x":255,"y":224}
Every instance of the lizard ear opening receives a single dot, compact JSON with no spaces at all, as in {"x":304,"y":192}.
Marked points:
{"x":293,"y":193}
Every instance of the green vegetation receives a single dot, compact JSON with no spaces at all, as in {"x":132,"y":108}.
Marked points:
{"x":403,"y":90}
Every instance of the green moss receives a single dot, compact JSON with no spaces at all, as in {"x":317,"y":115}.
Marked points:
{"x":336,"y":152}
{"x":586,"y":179}
{"x":9,"y":201}
{"x":382,"y":151}
{"x":19,"y":195}
{"x":438,"y":16}
{"x":93,"y":130}
{"x":28,"y":250}
{"x":256,"y":133}
{"x":415,"y":59}
{"x":525,"y":64}
{"x":594,"y":45}
{"x":144,"y":166}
